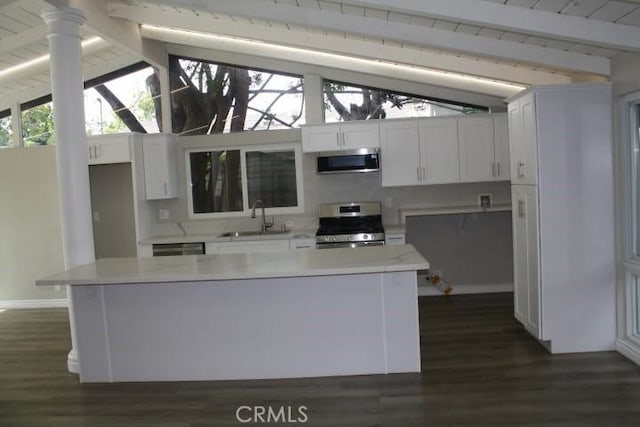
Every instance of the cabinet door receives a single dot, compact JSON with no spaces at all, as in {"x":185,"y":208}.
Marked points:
{"x":439,"y":150}
{"x":321,"y":138}
{"x":475,"y":136}
{"x":360,"y":134}
{"x":249,"y":246}
{"x":501,"y":147}
{"x":109,"y":149}
{"x":523,"y":141}
{"x":526,"y":284}
{"x":399,"y":153}
{"x":159,"y":167}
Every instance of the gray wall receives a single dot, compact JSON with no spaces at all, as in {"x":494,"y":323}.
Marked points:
{"x":468,"y":249}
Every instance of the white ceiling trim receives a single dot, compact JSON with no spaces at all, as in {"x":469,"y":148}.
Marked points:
{"x":24,"y":38}
{"x":41,"y":64}
{"x":414,"y":34}
{"x":519,"y":19}
{"x":320,"y":42}
{"x":437,"y":78}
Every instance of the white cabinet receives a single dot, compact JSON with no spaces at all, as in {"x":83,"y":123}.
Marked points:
{"x":340,"y":136}
{"x":400,"y":153}
{"x":394,"y":239}
{"x":419,"y":152}
{"x":247,"y":246}
{"x":439,"y":150}
{"x":160,"y":162}
{"x":302,"y":243}
{"x":105,"y":149}
{"x":522,"y":140}
{"x":524,"y":199}
{"x":563,"y":215}
{"x":484,"y":148}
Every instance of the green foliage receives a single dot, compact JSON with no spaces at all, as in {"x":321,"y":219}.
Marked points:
{"x":5,"y":132}
{"x":37,"y":126}
{"x":116,"y":126}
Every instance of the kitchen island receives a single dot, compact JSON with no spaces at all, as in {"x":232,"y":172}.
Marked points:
{"x":306,"y":313}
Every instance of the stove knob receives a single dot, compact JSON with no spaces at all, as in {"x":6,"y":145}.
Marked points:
{"x":365,"y":237}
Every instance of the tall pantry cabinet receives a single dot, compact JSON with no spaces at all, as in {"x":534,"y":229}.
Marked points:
{"x":560,"y":140}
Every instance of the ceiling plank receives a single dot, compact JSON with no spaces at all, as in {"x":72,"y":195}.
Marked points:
{"x":125,"y":34}
{"x":413,"y":34}
{"x":24,"y":38}
{"x":350,"y":47}
{"x":520,"y":19}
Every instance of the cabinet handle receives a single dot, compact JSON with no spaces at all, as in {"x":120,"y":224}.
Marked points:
{"x":521,"y":209}
{"x":423,"y":174}
{"x":520,"y":170}
{"x":165,"y":188}
{"x":418,"y":173}
{"x":493,"y":169}
{"x":338,"y":139}
{"x":91,"y":152}
{"x":499,"y":170}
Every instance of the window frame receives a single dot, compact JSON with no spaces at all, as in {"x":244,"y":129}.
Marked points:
{"x":629,"y":107}
{"x":246,"y":209}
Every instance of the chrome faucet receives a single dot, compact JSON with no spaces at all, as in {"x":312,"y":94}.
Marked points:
{"x":265,"y":224}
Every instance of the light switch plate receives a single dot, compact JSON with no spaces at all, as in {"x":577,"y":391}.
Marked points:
{"x":163,"y":214}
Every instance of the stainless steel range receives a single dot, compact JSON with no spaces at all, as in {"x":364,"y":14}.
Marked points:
{"x":344,"y":225}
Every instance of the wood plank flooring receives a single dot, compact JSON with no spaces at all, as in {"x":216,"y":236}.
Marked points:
{"x":479,"y":369}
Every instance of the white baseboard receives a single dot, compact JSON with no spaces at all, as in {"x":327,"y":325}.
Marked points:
{"x":628,"y":350}
{"x":34,"y":303}
{"x":426,"y":289}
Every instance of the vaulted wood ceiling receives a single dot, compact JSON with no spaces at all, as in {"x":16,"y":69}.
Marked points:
{"x":519,"y":41}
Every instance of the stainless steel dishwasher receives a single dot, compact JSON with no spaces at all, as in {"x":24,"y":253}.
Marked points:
{"x":190,"y":248}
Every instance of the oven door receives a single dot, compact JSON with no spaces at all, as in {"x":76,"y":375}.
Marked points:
{"x":349,"y":244}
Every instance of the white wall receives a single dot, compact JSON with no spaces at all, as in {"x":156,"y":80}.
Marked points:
{"x":31,"y":242}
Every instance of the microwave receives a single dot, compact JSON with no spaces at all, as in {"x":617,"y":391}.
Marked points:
{"x":362,"y":160}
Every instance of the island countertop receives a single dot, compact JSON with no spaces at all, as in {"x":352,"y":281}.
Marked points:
{"x":301,"y":263}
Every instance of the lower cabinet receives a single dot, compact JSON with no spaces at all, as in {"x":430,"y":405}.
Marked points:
{"x":526,"y":284}
{"x":277,"y":245}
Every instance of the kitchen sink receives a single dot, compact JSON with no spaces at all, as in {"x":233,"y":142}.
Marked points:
{"x":233,"y":234}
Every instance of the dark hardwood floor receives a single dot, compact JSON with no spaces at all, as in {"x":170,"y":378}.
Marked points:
{"x":479,"y":369}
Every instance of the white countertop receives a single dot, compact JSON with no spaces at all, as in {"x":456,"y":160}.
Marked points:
{"x":300,"y":263}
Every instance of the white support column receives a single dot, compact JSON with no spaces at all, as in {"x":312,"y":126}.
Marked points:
{"x":313,"y":99}
{"x":71,"y":148}
{"x":16,"y":126}
{"x":165,"y":99}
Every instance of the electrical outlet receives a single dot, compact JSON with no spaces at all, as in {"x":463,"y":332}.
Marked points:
{"x":388,"y":202}
{"x":290,"y":224}
{"x":163,"y":214}
{"x":57,"y":288}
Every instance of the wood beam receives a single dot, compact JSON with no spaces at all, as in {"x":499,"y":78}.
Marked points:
{"x":519,"y":19}
{"x":357,"y":48}
{"x":407,"y":33}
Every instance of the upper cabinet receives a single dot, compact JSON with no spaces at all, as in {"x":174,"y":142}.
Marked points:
{"x":444,"y":150}
{"x":105,"y":149}
{"x":340,"y":136}
{"x":523,"y":140}
{"x":484,"y":148}
{"x":160,"y":163}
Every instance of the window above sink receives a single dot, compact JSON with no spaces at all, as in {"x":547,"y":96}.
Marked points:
{"x":226,"y":182}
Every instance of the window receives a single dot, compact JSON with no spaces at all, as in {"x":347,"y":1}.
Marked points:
{"x":227,"y":182}
{"x":6,"y":134}
{"x":345,"y":102}
{"x":631,"y":263}
{"x":37,"y":122}
{"x":122,"y":102}
{"x":214,"y":98}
